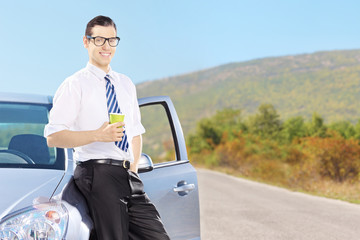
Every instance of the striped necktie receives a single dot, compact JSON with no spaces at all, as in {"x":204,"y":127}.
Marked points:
{"x":113,"y":107}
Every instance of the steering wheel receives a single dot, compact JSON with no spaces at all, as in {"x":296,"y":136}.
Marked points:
{"x":21,"y":155}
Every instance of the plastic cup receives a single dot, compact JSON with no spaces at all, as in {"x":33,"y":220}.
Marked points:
{"x":116,"y":117}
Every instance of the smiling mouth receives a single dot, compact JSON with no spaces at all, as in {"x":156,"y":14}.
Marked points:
{"x":105,"y":54}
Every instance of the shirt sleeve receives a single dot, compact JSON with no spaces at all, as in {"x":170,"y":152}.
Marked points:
{"x":137,"y":125}
{"x":66,"y":105}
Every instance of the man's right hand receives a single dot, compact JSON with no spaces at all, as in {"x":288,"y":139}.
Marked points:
{"x":110,"y":132}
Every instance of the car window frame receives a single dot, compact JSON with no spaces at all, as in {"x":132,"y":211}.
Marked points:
{"x":59,"y":152}
{"x":181,"y":156}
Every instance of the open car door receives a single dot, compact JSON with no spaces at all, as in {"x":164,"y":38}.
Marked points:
{"x":169,"y":179}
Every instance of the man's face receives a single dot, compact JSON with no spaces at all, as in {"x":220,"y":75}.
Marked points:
{"x":100,"y":56}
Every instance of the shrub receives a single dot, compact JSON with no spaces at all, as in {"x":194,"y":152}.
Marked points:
{"x":232,"y":153}
{"x":338,"y":158}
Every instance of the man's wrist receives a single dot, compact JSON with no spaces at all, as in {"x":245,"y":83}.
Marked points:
{"x":134,"y":167}
{"x":95,"y":136}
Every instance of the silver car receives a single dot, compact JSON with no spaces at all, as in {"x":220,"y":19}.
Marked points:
{"x":39,"y":199}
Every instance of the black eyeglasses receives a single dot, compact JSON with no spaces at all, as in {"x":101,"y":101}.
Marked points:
{"x":100,"y":41}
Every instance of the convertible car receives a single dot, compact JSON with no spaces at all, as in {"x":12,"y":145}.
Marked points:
{"x":39,"y":199}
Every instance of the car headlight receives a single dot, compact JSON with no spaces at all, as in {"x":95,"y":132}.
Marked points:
{"x":47,"y":221}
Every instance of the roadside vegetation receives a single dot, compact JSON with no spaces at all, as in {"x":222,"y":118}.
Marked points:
{"x":302,"y":155}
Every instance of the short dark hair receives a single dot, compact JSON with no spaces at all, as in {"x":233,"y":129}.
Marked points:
{"x":100,"y":21}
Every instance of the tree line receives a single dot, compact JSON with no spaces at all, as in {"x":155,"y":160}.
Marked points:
{"x":295,"y":152}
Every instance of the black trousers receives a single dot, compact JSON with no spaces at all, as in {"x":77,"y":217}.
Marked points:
{"x":118,"y":205}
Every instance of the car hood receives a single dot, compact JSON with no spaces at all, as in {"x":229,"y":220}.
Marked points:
{"x":23,"y":187}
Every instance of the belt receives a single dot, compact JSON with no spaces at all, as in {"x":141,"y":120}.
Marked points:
{"x":124,"y":163}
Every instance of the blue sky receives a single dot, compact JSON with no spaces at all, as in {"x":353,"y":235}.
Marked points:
{"x":41,"y":41}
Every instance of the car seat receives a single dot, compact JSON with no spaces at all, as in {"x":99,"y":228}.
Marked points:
{"x":32,"y":145}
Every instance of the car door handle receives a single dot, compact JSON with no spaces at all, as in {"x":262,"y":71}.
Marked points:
{"x":183,"y":188}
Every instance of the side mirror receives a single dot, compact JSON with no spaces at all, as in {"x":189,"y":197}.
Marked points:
{"x":145,"y":163}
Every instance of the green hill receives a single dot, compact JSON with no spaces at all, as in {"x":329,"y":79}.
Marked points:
{"x":324,"y":82}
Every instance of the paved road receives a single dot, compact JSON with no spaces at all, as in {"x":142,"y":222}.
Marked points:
{"x":233,"y":208}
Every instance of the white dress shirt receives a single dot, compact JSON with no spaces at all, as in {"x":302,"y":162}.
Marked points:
{"x":80,"y":105}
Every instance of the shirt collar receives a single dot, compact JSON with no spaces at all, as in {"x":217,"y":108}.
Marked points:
{"x":99,"y":73}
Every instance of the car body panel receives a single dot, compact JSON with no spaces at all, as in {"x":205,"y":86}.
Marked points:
{"x":25,"y":98}
{"x":30,"y":185}
{"x":180,"y":222}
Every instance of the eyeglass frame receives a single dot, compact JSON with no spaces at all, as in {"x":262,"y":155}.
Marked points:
{"x":106,"y":39}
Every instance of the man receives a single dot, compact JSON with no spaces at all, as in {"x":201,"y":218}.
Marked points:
{"x":107,"y":154}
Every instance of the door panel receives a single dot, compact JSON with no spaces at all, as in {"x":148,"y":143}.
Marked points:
{"x":179,"y":212}
{"x":178,"y":209}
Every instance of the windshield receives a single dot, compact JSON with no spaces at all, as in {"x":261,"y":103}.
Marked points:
{"x":22,"y":144}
